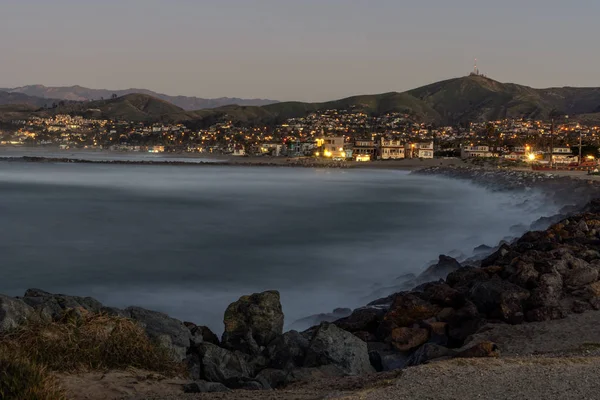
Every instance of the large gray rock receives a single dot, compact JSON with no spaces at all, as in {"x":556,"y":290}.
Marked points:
{"x":252,"y":322}
{"x":384,"y":358}
{"x":52,"y":306}
{"x":13,"y":313}
{"x":331,"y":345}
{"x":287,"y":351}
{"x":168,"y":332}
{"x":221,"y":365}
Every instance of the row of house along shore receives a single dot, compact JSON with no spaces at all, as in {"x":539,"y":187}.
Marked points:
{"x":370,"y":150}
{"x":560,"y":155}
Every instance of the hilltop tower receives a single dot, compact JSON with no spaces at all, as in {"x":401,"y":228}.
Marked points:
{"x":475,"y":69}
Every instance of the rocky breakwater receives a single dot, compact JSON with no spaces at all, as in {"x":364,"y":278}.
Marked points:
{"x":560,"y":190}
{"x":541,"y":276}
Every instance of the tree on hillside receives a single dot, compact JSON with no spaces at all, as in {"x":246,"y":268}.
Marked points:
{"x":114,"y":96}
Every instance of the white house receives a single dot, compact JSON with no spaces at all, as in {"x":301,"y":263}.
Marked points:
{"x":477,"y":151}
{"x":419,"y":150}
{"x":391,"y":149}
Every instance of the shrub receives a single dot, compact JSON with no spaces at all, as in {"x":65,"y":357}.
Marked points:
{"x":21,"y":379}
{"x":81,"y":341}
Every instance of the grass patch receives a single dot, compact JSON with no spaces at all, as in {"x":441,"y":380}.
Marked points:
{"x":82,"y":341}
{"x":21,"y":379}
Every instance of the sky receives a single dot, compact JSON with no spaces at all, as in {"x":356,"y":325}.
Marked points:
{"x":306,"y":50}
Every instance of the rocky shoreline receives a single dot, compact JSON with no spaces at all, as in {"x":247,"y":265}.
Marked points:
{"x":300,"y":163}
{"x":546,"y":274}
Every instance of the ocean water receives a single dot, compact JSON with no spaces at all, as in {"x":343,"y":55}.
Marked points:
{"x":188,"y":240}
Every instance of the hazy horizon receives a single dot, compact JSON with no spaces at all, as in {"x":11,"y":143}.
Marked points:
{"x":282,"y":50}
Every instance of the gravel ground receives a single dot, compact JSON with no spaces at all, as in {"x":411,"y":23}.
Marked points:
{"x":518,"y":378}
{"x":577,"y":334}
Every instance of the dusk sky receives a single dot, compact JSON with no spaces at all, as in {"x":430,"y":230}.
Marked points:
{"x":309,"y":50}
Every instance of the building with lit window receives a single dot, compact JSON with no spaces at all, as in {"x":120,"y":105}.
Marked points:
{"x":391,"y":149}
{"x":364,"y":150}
{"x":419,"y":150}
{"x":331,"y":147}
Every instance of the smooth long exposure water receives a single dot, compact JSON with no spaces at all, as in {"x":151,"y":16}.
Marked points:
{"x":190,"y":240}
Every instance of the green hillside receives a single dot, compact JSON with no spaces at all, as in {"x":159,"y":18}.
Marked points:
{"x":471,"y":98}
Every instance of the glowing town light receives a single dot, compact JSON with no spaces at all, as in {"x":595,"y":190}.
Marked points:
{"x":531,"y":157}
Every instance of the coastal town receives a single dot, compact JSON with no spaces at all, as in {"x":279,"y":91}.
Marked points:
{"x":338,"y":135}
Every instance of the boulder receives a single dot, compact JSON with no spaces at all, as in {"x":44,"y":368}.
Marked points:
{"x":287,"y":351}
{"x":500,"y":299}
{"x":443,"y":295}
{"x":548,"y":292}
{"x":331,"y":345}
{"x":13,"y":313}
{"x":221,"y":365}
{"x":201,"y":334}
{"x":364,"y":319}
{"x":592,"y":293}
{"x":406,"y":339}
{"x":569,"y":262}
{"x":384,"y":358}
{"x":444,"y":266}
{"x":438,"y":331}
{"x":252,"y":322}
{"x":52,"y":306}
{"x":522,"y":273}
{"x":428,"y":352}
{"x":168,"y":332}
{"x":581,"y":276}
{"x":406,"y":310}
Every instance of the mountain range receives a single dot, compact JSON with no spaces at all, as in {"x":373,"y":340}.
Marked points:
{"x":80,"y":93}
{"x":453,"y":101}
